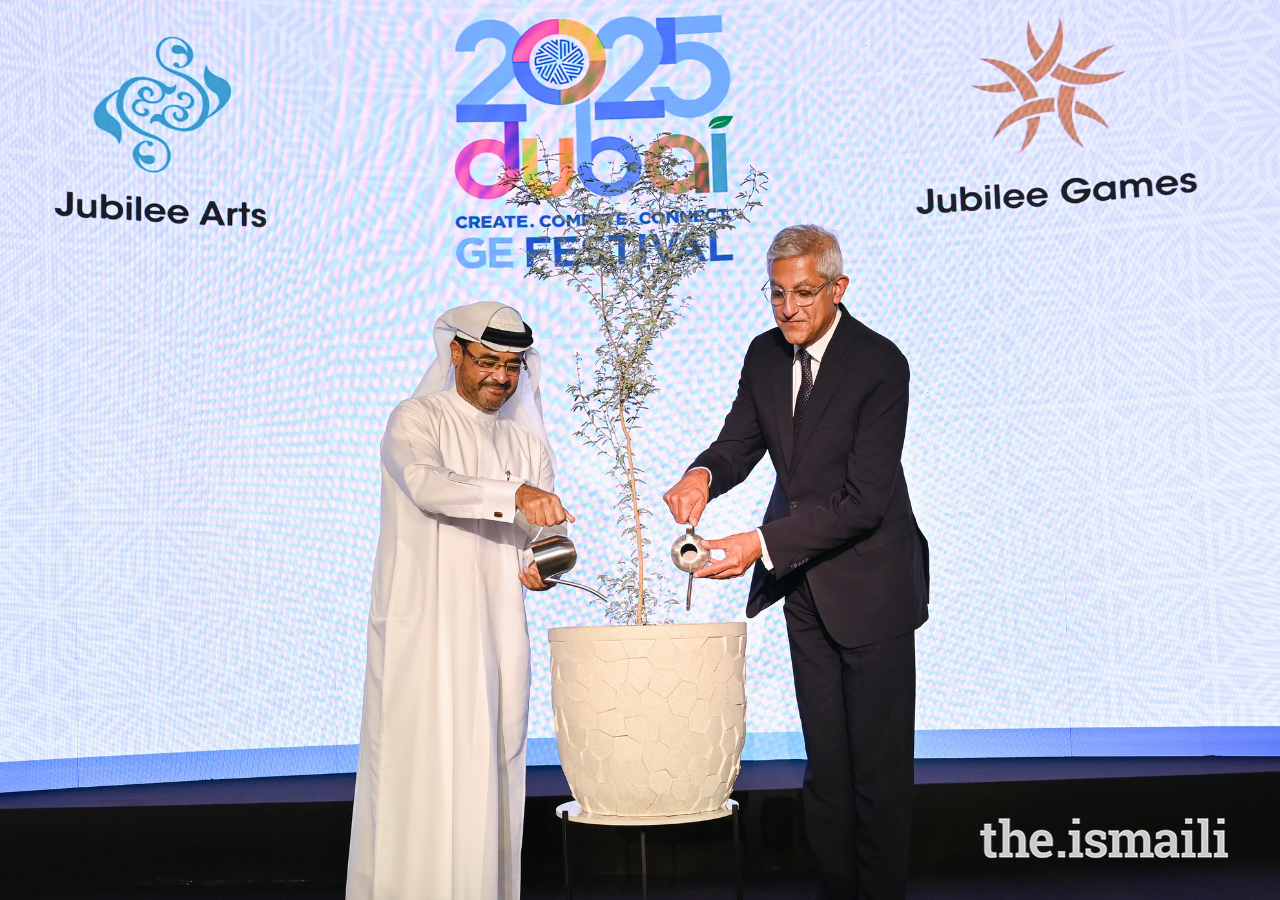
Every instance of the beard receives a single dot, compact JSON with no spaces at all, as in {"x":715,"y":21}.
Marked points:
{"x":478,"y":394}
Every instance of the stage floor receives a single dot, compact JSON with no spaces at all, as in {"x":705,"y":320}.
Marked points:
{"x":297,"y":850}
{"x":1243,"y":881}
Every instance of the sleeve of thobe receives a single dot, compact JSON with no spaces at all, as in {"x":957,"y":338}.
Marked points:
{"x":412,"y":458}
{"x":546,"y":474}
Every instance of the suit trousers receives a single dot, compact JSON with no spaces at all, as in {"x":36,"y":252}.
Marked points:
{"x":857,"y":710}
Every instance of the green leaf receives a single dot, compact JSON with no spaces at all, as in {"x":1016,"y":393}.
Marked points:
{"x":721,"y":121}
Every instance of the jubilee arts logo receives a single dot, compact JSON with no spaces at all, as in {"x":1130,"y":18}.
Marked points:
{"x":179,"y":103}
{"x":1069,"y":78}
{"x":140,"y":108}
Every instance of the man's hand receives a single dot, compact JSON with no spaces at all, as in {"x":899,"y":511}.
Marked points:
{"x":740,"y":553}
{"x":689,"y":497}
{"x":531,"y":578}
{"x":540,"y":507}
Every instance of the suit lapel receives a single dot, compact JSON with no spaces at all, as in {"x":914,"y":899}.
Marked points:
{"x":780,"y":386}
{"x":835,"y":362}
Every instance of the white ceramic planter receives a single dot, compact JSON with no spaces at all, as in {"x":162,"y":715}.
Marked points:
{"x":649,"y":718}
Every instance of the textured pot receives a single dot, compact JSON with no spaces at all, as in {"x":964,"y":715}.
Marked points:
{"x":649,"y":718}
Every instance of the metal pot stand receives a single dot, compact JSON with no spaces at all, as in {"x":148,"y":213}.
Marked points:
{"x":572,"y":812}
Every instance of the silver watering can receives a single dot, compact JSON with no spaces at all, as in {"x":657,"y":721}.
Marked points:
{"x":690,"y":554}
{"x":553,"y":553}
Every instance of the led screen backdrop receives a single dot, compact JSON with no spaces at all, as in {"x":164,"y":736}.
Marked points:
{"x":229,"y":226}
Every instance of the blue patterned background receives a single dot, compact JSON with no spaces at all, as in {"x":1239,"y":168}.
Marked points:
{"x":190,"y":472}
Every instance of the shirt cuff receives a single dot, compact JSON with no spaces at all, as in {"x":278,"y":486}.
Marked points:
{"x":499,"y":500}
{"x":764,"y":551}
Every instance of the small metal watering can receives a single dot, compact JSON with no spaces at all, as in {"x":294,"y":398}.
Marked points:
{"x":690,"y":554}
{"x":553,"y":553}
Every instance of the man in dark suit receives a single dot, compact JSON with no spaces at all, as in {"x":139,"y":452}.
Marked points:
{"x":826,"y":397}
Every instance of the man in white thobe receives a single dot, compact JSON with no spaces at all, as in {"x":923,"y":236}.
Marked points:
{"x":440,"y":784}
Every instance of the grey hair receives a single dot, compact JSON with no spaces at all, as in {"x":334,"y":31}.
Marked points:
{"x":809,"y":240}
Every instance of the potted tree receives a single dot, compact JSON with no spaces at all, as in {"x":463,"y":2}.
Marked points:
{"x":649,"y":714}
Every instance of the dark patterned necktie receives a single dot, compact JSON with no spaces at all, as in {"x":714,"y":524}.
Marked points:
{"x":806,"y":388}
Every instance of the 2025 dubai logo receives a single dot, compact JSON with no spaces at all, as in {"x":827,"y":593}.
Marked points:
{"x":562,"y":62}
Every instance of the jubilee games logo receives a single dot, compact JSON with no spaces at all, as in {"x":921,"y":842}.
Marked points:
{"x":562,"y":62}
{"x":1046,"y":69}
{"x":1070,"y":78}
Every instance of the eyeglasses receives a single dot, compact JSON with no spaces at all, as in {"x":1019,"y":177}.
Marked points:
{"x":803,"y":296}
{"x":492,"y":365}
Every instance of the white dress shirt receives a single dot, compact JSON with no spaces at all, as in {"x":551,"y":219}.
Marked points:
{"x":816,"y":351}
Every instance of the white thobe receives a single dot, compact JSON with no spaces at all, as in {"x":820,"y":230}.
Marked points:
{"x":439,"y":806}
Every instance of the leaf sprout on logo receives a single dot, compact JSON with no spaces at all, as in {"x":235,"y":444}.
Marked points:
{"x":142,"y":102}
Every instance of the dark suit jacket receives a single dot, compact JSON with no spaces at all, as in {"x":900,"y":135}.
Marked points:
{"x":840,"y":514}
